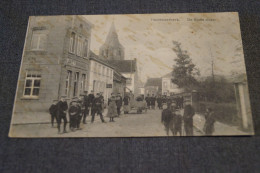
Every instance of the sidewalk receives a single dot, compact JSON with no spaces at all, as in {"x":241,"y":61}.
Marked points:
{"x":220,"y":128}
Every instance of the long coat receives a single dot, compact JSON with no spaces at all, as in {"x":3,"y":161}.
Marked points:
{"x":209,"y":123}
{"x":62,"y":107}
{"x":112,"y":107}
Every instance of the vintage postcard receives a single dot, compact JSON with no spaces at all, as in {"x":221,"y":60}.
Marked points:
{"x":135,"y":75}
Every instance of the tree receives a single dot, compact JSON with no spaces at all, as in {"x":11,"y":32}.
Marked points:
{"x":184,"y":71}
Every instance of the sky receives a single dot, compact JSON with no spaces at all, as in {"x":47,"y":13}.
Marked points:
{"x":206,"y":37}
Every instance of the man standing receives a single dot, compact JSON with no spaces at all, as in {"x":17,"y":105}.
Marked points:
{"x":62,"y":107}
{"x":90,"y":99}
{"x":168,"y":119}
{"x":159,"y":102}
{"x":119,"y":102}
{"x":97,"y":108}
{"x":103,"y":101}
{"x":126,"y":106}
{"x":153,"y":100}
{"x":74,"y":113}
{"x":53,"y":111}
{"x":188,"y":119}
{"x":148,"y":101}
{"x":86,"y":104}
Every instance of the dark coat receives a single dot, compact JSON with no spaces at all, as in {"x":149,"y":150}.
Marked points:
{"x":97,"y":103}
{"x":119,"y":101}
{"x":61,"y":108}
{"x":53,"y":109}
{"x":153,"y":100}
{"x":74,"y":110}
{"x":86,"y":101}
{"x":91,"y":98}
{"x":126,"y":100}
{"x":188,"y":113}
{"x":209,"y":123}
{"x":167,"y":116}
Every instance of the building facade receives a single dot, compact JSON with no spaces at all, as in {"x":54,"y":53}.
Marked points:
{"x":55,"y":61}
{"x":101,"y":76}
{"x":168,"y":87}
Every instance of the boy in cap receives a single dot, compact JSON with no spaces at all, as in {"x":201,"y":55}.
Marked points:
{"x":97,"y":108}
{"x":74,"y":113}
{"x":62,"y":107}
{"x":53,"y":111}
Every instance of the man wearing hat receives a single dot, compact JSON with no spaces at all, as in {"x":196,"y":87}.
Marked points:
{"x":62,"y":107}
{"x":53,"y":111}
{"x":119,"y":102}
{"x":74,"y":113}
{"x":188,"y":118}
{"x":86,"y":105}
{"x":168,"y":119}
{"x":97,"y":108}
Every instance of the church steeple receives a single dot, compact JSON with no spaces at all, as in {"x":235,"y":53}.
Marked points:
{"x":112,"y":48}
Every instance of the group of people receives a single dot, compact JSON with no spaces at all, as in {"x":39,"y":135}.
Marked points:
{"x":172,"y":120}
{"x":163,"y":100}
{"x":80,"y":107}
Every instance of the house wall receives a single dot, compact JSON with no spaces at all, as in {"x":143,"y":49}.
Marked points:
{"x":52,"y":62}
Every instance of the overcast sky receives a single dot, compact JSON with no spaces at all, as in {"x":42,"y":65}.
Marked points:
{"x":148,"y":38}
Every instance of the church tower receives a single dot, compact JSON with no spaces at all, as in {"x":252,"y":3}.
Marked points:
{"x":112,"y":48}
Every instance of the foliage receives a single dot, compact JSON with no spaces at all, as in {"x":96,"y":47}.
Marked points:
{"x":184,"y":71}
{"x":218,"y":90}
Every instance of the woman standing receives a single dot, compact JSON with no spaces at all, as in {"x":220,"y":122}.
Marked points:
{"x":112,"y":108}
{"x":209,"y":123}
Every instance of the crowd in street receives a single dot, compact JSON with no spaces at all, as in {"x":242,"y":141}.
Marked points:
{"x":80,"y":107}
{"x":173,"y":120}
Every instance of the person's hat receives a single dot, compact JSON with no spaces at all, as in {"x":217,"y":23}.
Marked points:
{"x":85,"y":91}
{"x":81,"y":95}
{"x":98,"y":94}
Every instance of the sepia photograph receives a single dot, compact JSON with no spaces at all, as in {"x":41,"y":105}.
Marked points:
{"x":132,"y":75}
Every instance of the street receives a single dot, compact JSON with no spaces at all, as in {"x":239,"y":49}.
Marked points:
{"x":128,"y":125}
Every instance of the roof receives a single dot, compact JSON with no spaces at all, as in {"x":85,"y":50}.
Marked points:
{"x":123,"y":66}
{"x":168,"y":75}
{"x":154,"y":82}
{"x":96,"y":58}
{"x":112,"y":38}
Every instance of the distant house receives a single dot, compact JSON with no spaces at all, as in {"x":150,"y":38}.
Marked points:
{"x":168,"y":87}
{"x":128,"y":69}
{"x":153,"y":86}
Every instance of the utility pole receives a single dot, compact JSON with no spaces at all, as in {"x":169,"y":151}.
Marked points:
{"x":212,"y":67}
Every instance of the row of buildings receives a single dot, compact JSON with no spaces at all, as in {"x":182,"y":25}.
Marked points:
{"x":57,"y":61}
{"x":162,"y":86}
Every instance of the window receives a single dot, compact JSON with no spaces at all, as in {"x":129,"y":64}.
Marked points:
{"x":67,"y":84}
{"x":72,"y":42}
{"x":83,"y":83}
{"x":99,"y":69}
{"x":79,"y":46}
{"x":39,"y":38}
{"x":86,"y":48}
{"x":32,"y":85}
{"x":95,"y":68}
{"x":165,"y":85}
{"x":104,"y":71}
{"x":76,"y":80}
{"x":107,"y":72}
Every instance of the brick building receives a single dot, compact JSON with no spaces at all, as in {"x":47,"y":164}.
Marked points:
{"x":55,"y":61}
